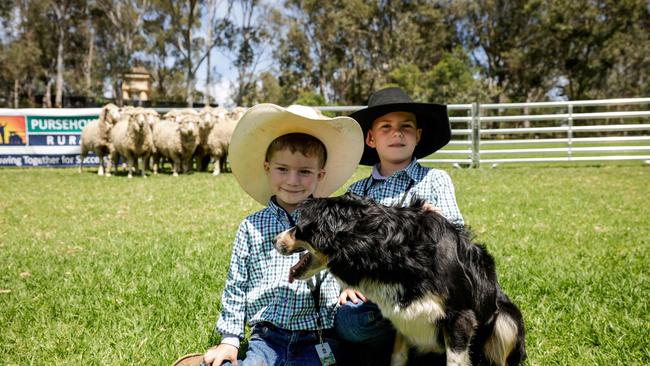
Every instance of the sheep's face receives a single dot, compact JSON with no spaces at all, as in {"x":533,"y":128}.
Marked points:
{"x":206,"y":122}
{"x":113,"y":115}
{"x":137,"y":121}
{"x":187,"y":127}
{"x":152,"y":119}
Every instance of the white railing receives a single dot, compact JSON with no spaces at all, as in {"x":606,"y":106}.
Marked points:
{"x":568,"y":131}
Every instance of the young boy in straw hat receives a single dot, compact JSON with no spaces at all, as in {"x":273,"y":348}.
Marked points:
{"x":397,"y":132}
{"x":280,"y":157}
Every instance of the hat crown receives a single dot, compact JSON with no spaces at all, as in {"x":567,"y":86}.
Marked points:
{"x":388,"y":96}
{"x":304,"y":111}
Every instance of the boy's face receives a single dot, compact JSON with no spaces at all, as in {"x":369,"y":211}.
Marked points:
{"x":293,"y":177}
{"x":395,"y":136}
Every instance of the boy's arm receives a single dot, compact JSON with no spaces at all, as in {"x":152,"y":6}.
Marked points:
{"x":444,"y":189}
{"x":357,"y":187}
{"x":233,"y":301}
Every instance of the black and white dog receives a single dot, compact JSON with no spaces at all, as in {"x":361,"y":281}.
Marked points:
{"x":438,"y":288}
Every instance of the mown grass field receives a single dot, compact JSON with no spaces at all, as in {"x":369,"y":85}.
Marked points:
{"x":111,"y":271}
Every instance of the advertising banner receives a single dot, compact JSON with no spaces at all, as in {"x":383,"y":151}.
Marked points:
{"x":43,"y":137}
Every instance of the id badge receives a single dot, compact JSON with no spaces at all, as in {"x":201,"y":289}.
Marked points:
{"x":325,"y":354}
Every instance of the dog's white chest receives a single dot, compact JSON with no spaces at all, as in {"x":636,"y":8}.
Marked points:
{"x":418,"y":321}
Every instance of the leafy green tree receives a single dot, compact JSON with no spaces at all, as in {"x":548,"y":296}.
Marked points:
{"x":184,"y":21}
{"x":451,"y":80}
{"x":597,"y":42}
{"x":270,"y":90}
{"x":120,"y":35}
{"x":250,"y":39}
{"x":310,"y":98}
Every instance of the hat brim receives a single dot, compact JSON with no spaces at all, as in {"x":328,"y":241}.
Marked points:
{"x":431,"y":118}
{"x":192,"y":359}
{"x":263,"y":123}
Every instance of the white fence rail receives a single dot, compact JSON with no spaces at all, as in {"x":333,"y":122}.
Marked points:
{"x":571,"y":131}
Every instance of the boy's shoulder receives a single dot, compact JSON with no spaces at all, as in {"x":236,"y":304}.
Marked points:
{"x":433,"y":178}
{"x":259,"y":217}
{"x":264,"y":212}
{"x":357,"y":187}
{"x":430,"y":175}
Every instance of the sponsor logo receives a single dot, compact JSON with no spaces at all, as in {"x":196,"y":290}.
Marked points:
{"x":12,"y":130}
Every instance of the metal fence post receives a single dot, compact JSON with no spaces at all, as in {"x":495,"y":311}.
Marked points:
{"x":476,"y":135}
{"x":570,"y":132}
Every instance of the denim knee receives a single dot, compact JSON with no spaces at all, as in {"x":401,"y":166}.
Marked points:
{"x":362,"y":323}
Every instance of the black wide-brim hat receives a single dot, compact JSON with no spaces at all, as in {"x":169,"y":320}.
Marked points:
{"x":431,"y":118}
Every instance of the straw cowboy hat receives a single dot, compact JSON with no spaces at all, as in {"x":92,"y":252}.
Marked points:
{"x":431,"y":118}
{"x":263,"y":123}
{"x":192,"y":359}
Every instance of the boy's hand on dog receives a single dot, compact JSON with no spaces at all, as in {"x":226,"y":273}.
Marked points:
{"x":351,"y":294}
{"x":215,"y":356}
{"x":429,"y":207}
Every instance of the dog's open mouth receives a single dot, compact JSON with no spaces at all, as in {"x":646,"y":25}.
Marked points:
{"x":299,"y":267}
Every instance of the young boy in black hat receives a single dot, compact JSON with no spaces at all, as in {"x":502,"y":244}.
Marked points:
{"x":397,"y":132}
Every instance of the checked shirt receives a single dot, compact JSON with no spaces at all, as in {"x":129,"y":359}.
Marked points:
{"x":257,"y":287}
{"x":432,"y":185}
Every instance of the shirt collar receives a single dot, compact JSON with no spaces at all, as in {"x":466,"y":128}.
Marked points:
{"x":413,"y":171}
{"x":282,"y":213}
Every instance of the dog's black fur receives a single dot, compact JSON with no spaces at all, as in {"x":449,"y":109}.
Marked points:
{"x":420,"y":252}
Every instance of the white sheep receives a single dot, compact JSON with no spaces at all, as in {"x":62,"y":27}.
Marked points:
{"x":175,"y":115}
{"x":95,"y":136}
{"x":151,"y":116}
{"x":219,"y":138}
{"x":209,"y":118}
{"x":131,"y":138}
{"x":176,"y":141}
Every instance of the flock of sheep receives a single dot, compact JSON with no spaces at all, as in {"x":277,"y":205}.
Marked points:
{"x":183,"y":136}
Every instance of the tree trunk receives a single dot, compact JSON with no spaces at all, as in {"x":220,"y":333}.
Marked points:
{"x":208,"y":48}
{"x":117,"y":92}
{"x":16,"y":89}
{"x":31,"y":100}
{"x":47,"y":99}
{"x":88,"y":67}
{"x":188,"y":44}
{"x":58,"y":102}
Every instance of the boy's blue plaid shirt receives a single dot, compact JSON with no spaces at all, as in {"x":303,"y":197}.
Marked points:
{"x":432,"y":185}
{"x":257,"y":288}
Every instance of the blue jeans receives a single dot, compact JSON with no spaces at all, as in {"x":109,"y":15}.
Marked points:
{"x":368,"y":337}
{"x":273,"y":346}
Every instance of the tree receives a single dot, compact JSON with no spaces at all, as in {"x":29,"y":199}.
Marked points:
{"x":185,"y":42}
{"x":120,"y":36}
{"x":509,"y":41}
{"x":451,"y":80}
{"x":218,"y":34}
{"x":17,"y":65}
{"x":250,"y":40}
{"x":64,"y":14}
{"x":596,"y":41}
{"x":346,"y":49}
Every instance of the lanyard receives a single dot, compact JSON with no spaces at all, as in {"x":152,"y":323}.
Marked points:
{"x":314,"y":285}
{"x":292,"y":222}
{"x":372,"y":180}
{"x":314,"y":288}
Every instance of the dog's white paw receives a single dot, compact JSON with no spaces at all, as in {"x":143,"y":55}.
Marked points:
{"x":398,"y":359}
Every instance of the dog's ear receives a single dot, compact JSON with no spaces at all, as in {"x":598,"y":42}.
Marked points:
{"x":416,"y":201}
{"x":352,"y":195}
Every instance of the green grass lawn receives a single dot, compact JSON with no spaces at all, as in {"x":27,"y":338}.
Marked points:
{"x":111,"y":271}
